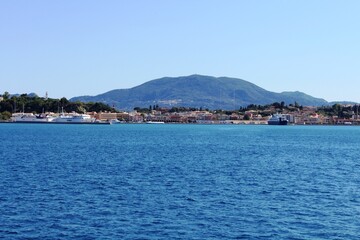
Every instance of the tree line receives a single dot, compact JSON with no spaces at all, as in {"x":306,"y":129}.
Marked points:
{"x":279,"y":106}
{"x":338,"y":110}
{"x":35,"y":104}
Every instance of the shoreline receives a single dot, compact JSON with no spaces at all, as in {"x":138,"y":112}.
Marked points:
{"x":242,"y":123}
{"x":77,"y":123}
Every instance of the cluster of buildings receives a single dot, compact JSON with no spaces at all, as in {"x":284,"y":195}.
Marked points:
{"x":202,"y":117}
{"x":307,"y":116}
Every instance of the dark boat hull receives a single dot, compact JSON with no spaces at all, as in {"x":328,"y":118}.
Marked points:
{"x":281,"y":122}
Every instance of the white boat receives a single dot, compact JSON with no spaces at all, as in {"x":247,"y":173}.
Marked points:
{"x":74,"y":118}
{"x":31,"y":118}
{"x":278,"y":119}
{"x":114,"y":121}
{"x":155,"y":122}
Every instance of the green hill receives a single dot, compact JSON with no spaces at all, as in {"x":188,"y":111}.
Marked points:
{"x":198,"y":91}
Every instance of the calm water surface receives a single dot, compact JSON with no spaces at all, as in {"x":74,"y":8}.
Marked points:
{"x":179,"y":182}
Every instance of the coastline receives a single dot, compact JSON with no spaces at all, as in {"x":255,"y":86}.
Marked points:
{"x":239,"y":122}
{"x":78,"y":123}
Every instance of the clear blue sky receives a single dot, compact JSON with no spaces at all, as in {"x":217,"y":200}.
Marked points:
{"x":83,"y":47}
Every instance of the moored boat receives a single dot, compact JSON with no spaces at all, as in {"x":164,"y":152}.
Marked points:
{"x":31,"y":118}
{"x":74,"y":118}
{"x":278,"y":119}
{"x":50,"y":118}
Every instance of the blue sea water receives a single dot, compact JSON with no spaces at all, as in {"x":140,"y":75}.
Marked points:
{"x":134,"y":181}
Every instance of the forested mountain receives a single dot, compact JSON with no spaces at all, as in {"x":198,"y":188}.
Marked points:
{"x":198,"y":91}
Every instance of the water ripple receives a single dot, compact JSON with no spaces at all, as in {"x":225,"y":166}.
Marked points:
{"x":179,"y":182}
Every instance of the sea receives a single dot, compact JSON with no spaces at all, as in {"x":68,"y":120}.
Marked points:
{"x":179,"y":181}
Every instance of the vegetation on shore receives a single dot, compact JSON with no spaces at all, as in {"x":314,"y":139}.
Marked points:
{"x":335,"y":110}
{"x":35,"y":104}
{"x":262,"y":109}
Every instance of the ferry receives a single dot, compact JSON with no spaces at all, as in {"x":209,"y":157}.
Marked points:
{"x":74,"y":118}
{"x":31,"y":118}
{"x":278,"y":119}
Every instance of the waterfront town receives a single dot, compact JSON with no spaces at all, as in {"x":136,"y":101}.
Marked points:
{"x":300,"y":116}
{"x":336,"y":114}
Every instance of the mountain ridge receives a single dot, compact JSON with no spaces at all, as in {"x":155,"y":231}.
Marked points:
{"x":198,"y":91}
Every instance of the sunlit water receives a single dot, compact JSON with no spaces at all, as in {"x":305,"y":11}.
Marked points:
{"x":179,"y":182}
